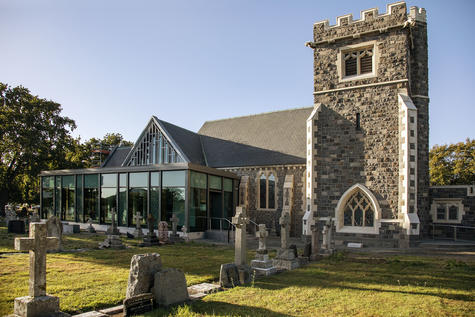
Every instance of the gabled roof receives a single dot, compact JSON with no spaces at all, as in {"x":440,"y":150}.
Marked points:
{"x":117,"y":157}
{"x":279,"y":131}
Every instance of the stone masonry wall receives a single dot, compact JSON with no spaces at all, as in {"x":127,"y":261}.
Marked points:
{"x":271,"y":217}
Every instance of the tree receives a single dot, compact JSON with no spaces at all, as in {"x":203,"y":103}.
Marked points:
{"x":91,"y":150}
{"x":33,"y":137}
{"x":452,"y":164}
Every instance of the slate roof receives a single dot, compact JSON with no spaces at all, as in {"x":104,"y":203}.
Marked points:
{"x":280,"y":131}
{"x":117,"y":156}
{"x":188,"y":141}
{"x":273,"y":138}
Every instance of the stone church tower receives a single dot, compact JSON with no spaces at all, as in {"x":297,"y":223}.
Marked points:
{"x":367,"y":137}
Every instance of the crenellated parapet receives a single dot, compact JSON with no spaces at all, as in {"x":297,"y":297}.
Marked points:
{"x":370,"y":21}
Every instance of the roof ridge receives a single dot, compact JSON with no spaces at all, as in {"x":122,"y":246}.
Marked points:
{"x":175,"y":125}
{"x":255,"y":115}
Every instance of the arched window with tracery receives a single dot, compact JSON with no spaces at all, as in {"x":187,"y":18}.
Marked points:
{"x":358,"y":211}
{"x":266,"y":194}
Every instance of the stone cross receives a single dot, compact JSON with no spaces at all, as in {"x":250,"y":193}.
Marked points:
{"x":138,"y":218}
{"x":114,"y":223}
{"x":284,"y":222}
{"x":38,"y":243}
{"x":150,"y":222}
{"x":262,"y":234}
{"x":240,"y":247}
{"x":315,"y":238}
{"x":174,"y":219}
{"x":327,"y":235}
{"x":184,"y":229}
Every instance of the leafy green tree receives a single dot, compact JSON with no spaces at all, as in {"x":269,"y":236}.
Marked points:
{"x":33,"y":137}
{"x":91,"y":154}
{"x":452,"y":164}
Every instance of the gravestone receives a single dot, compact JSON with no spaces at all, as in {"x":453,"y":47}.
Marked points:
{"x":142,"y":271}
{"x":285,"y":258}
{"x":113,"y":239}
{"x":34,"y":217}
{"x":184,"y":230}
{"x":327,"y":241}
{"x":150,"y":238}
{"x":38,"y":303}
{"x":90,"y":228}
{"x":229,"y":275}
{"x":10,"y":214}
{"x":262,"y":265}
{"x":170,"y":287}
{"x":315,"y":254}
{"x":138,"y":304}
{"x":163,"y":232}
{"x":16,"y":226}
{"x":55,"y":229}
{"x":138,"y":233}
{"x":174,"y":221}
{"x":240,"y":221}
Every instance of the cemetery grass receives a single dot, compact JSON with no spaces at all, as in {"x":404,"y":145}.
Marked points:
{"x":89,"y":278}
{"x":357,"y":285}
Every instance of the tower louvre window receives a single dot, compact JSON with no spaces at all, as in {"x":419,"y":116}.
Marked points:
{"x":358,"y":62}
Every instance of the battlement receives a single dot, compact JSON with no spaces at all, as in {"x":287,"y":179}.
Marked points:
{"x":370,"y":20}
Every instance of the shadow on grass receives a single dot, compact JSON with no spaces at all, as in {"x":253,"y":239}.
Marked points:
{"x":216,"y":308}
{"x":392,"y":277}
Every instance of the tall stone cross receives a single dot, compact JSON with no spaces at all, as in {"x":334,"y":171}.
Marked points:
{"x":262,"y":234}
{"x":284,"y":222}
{"x":150,"y":223}
{"x":138,"y":218}
{"x":38,"y":243}
{"x":174,"y":219}
{"x":240,"y":220}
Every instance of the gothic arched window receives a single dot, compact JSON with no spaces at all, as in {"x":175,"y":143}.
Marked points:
{"x":266,"y":191}
{"x":358,"y":211}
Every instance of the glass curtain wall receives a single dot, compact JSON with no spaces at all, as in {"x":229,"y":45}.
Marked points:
{"x":173,"y":195}
{"x":91,"y":197}
{"x":122,"y":210}
{"x":57,"y":196}
{"x":215,"y":201}
{"x":68,"y":198}
{"x":155,"y":195}
{"x":47,"y":196}
{"x":138,"y":193}
{"x":197,"y":217}
{"x":108,"y":196}
{"x":79,"y":198}
{"x":228,"y":200}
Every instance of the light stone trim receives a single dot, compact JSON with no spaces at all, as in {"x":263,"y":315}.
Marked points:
{"x":339,"y":221}
{"x":310,"y":177}
{"x":419,"y":14}
{"x":340,"y":63}
{"x":449,"y":202}
{"x":361,"y":86}
{"x":408,"y":136}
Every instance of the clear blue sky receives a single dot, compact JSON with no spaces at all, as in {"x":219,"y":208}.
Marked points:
{"x":114,"y":64}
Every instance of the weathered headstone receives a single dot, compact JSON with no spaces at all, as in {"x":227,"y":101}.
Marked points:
{"x":113,"y":239}
{"x":113,"y":230}
{"x":38,"y":303}
{"x":34,"y":217}
{"x":229,"y":275}
{"x":138,"y":233}
{"x":142,"y":271}
{"x":240,"y":220}
{"x":16,"y":226}
{"x":285,"y":258}
{"x":150,"y":238}
{"x":170,"y":287}
{"x":184,"y":230}
{"x":90,"y":228}
{"x":163,"y":232}
{"x":315,"y":255}
{"x":55,"y":229}
{"x":10,"y":214}
{"x":262,"y":265}
{"x":174,"y":219}
{"x":138,"y":304}
{"x":327,"y":241}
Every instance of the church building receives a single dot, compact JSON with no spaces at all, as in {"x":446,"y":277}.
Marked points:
{"x":357,"y":160}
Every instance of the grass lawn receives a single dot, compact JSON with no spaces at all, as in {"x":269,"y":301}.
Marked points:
{"x":357,"y":285}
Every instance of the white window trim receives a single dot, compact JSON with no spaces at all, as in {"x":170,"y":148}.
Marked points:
{"x":339,"y":210}
{"x":340,"y":64}
{"x":258,"y":182}
{"x":449,"y":202}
